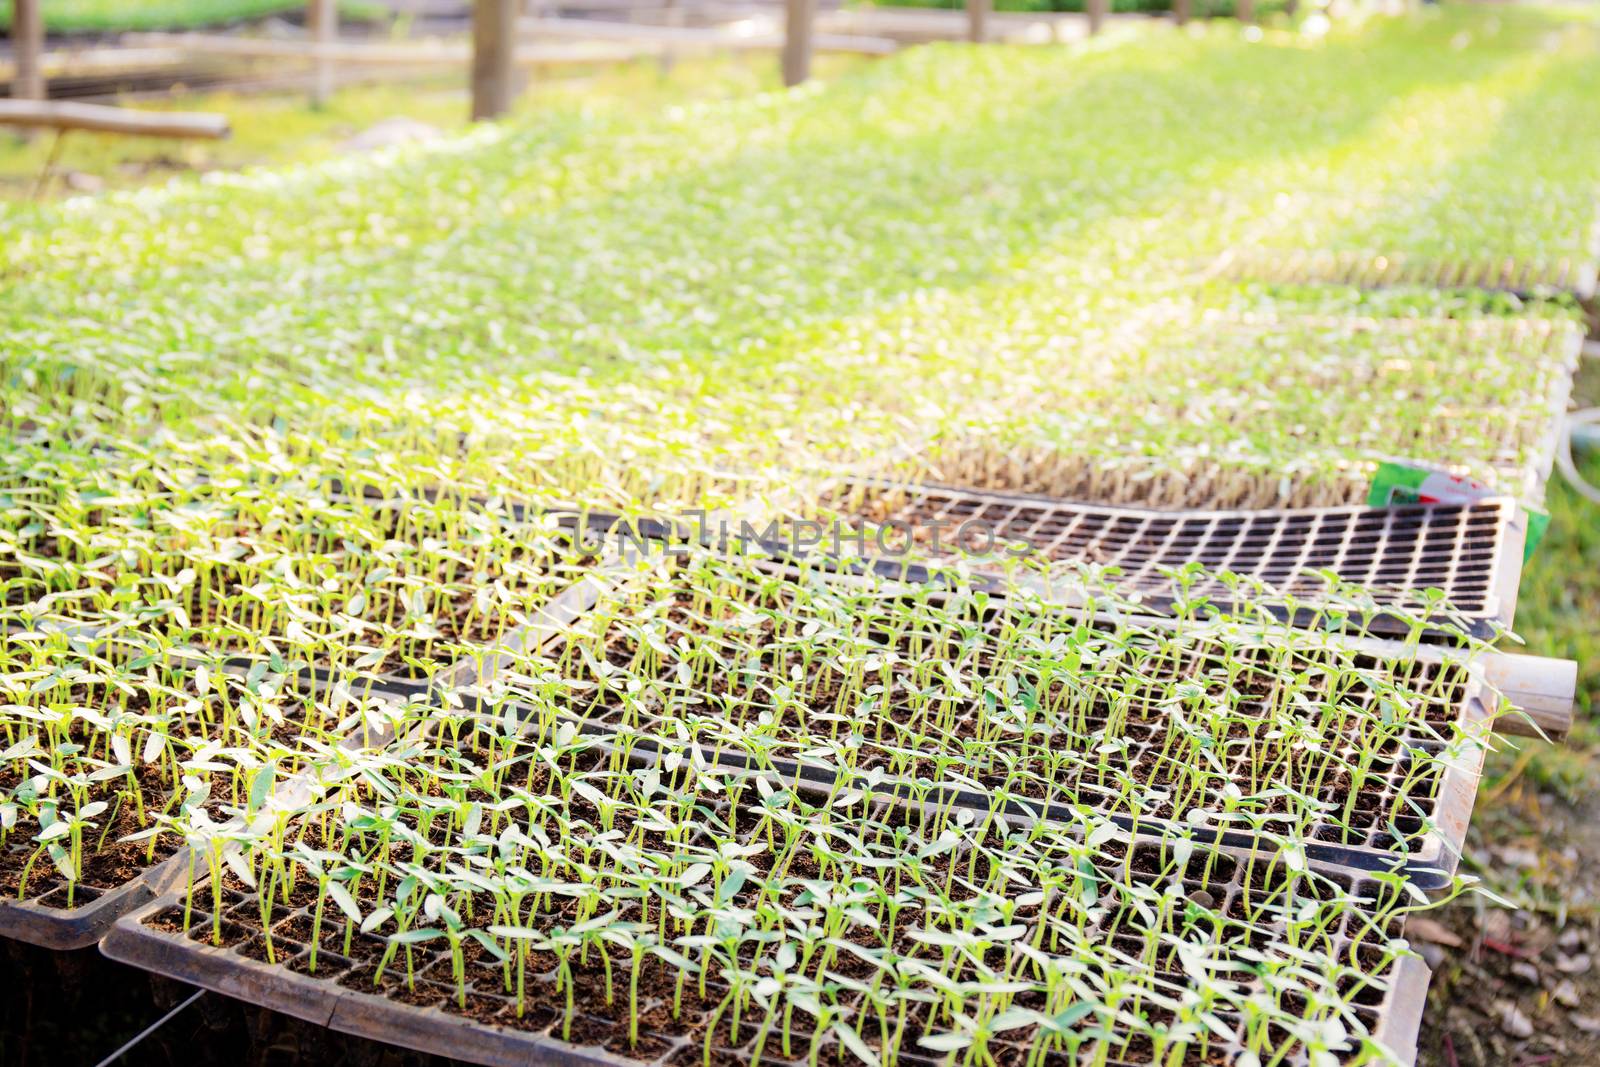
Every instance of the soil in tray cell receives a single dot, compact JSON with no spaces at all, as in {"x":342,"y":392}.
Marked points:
{"x":27,"y":871}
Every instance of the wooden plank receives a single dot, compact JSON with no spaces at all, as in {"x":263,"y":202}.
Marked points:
{"x":27,"y":43}
{"x":565,"y":29}
{"x":413,"y":54}
{"x":88,"y":61}
{"x":71,"y":115}
{"x":755,"y":35}
{"x":494,"y":38}
{"x":918,"y":26}
{"x":322,"y":17}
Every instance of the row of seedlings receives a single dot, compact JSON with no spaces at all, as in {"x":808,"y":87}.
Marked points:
{"x":159,"y":625}
{"x":1525,"y":279}
{"x":505,"y":886}
{"x":117,"y":754}
{"x":1283,"y":411}
{"x":1236,"y":720}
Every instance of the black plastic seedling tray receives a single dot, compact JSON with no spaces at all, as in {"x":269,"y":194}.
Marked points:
{"x":1471,"y":552}
{"x":45,"y":919}
{"x":1430,"y":867}
{"x":323,"y":1000}
{"x":423,"y":1015}
{"x":1429,"y":861}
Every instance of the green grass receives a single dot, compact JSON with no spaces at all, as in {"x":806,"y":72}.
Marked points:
{"x":118,"y":16}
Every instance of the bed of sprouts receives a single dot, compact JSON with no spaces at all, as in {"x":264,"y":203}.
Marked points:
{"x":261,"y":437}
{"x":1224,"y":721}
{"x":112,"y":752}
{"x":291,"y":574}
{"x":1286,"y":411}
{"x":521,"y":874}
{"x":162,"y":633}
{"x":922,"y":293}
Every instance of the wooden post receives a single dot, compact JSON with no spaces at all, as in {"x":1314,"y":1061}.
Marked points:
{"x":27,"y":42}
{"x":1098,"y":10}
{"x":798,"y":29}
{"x":674,"y":18}
{"x":1181,"y":10}
{"x":494,"y":36}
{"x":322,"y":19}
{"x":1245,"y":10}
{"x":978,"y":20}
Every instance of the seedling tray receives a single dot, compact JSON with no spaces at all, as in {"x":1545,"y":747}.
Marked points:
{"x":287,"y":987}
{"x":45,"y":920}
{"x":424,"y":1015}
{"x":1429,"y":867}
{"x":1471,"y":552}
{"x":1368,"y":270}
{"x":1430,"y":859}
{"x":1514,"y":455}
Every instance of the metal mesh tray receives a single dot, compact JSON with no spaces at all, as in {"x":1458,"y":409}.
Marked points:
{"x":1470,"y":552}
{"x":1371,"y":270}
{"x":425,"y":1014}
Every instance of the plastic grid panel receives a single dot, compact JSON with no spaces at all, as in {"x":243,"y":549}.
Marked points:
{"x":1465,"y":550}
